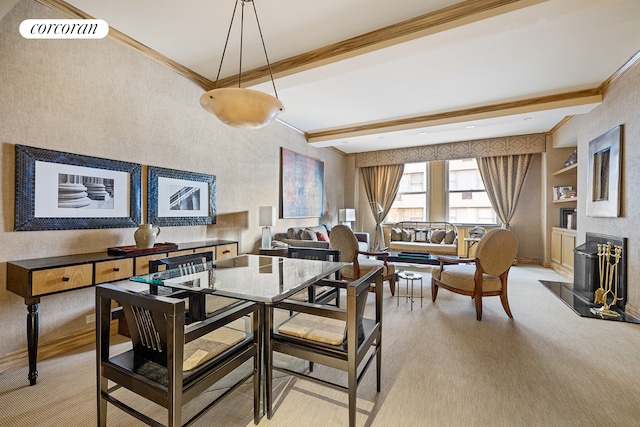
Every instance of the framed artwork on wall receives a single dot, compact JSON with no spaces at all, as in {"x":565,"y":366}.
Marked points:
{"x":180,"y":198}
{"x":60,"y":191}
{"x":604,"y":176}
{"x":301,"y":183}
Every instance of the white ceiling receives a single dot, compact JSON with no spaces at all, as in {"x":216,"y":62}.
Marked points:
{"x":452,"y":75}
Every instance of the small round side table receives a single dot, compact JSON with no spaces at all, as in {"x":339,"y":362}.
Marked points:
{"x":409,"y":277}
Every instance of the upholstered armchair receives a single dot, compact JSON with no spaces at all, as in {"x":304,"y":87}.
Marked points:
{"x":482,"y":276}
{"x":344,"y":240}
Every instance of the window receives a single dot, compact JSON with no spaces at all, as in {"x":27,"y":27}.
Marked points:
{"x":467,"y":199}
{"x":411,"y":201}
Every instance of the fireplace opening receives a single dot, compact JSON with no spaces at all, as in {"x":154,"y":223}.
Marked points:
{"x":587,"y":280}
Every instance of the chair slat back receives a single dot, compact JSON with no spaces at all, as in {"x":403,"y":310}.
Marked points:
{"x":151,"y":320}
{"x":314,"y":253}
{"x":186,"y":262}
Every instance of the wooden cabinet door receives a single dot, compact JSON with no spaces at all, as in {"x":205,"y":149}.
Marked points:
{"x":568,"y":243}
{"x":556,"y":247}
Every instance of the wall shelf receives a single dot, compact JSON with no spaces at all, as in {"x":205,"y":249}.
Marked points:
{"x":575,"y":199}
{"x":570,"y":168}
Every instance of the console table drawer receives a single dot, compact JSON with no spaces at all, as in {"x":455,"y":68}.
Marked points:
{"x":110,"y":271}
{"x":226,"y":251}
{"x":61,"y":279}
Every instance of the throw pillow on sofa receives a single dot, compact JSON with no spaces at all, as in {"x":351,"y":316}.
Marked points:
{"x":449,"y":237}
{"x":308,"y":234}
{"x":406,"y":234}
{"x":396,"y":234}
{"x":422,"y":235}
{"x":437,"y":236}
{"x":322,"y":237}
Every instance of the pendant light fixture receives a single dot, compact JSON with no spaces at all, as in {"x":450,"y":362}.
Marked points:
{"x":241,"y":107}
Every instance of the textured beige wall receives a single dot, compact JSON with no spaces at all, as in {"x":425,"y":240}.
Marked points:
{"x":99,"y":98}
{"x":621,"y":105}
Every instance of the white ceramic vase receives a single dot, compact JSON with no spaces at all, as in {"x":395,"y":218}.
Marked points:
{"x":146,"y":235}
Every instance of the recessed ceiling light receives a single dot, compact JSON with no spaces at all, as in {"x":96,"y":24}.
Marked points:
{"x":424,"y":132}
{"x":470,"y":126}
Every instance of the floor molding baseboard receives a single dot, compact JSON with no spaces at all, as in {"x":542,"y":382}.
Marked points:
{"x":49,"y":349}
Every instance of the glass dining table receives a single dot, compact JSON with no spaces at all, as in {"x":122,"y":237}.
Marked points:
{"x":261,"y":279}
{"x":257,"y":278}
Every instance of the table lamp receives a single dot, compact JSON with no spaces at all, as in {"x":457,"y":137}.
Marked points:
{"x":266,"y":219}
{"x":346,"y":216}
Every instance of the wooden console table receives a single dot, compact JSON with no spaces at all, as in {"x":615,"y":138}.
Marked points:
{"x":35,"y":278}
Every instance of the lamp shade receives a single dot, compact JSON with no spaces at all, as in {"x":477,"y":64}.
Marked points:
{"x":347,"y":215}
{"x":242,"y":108}
{"x":267,"y":216}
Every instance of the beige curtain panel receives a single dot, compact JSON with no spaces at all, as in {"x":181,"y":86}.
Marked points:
{"x":381,"y":184}
{"x":503,"y":177}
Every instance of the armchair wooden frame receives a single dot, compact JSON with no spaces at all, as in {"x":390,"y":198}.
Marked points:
{"x":352,"y":254}
{"x":494,"y":256}
{"x":168,"y":385}
{"x":363,"y":338}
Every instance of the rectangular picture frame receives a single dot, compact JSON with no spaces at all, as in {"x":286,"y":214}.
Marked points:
{"x":56,"y":190}
{"x":604,"y":176}
{"x":301,"y":184}
{"x":176,"y":198}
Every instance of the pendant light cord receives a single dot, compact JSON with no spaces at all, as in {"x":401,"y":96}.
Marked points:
{"x":264,"y":47}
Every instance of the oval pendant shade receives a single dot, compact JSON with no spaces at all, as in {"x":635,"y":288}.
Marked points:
{"x":242,"y":108}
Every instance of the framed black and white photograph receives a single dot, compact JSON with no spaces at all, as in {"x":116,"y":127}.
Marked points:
{"x":180,"y":198}
{"x":60,"y":191}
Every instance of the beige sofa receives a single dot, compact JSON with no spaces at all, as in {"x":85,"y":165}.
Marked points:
{"x":439,"y":238}
{"x":307,"y":237}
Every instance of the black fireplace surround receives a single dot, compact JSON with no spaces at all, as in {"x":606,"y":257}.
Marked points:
{"x":579,"y":295}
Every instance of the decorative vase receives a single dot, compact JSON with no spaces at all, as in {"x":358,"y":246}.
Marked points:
{"x":146,"y":235}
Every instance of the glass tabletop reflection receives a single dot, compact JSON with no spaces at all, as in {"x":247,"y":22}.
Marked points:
{"x":250,"y":277}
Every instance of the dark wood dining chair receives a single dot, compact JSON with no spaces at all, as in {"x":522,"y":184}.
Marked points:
{"x":169,"y":364}
{"x":331,"y":336}
{"x":319,"y":294}
{"x":199,"y":305}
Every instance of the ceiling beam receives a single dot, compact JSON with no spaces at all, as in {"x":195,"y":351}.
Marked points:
{"x":456,"y":15}
{"x":582,"y":97}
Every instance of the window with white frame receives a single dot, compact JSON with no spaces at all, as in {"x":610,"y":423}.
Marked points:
{"x":410,"y":203}
{"x":467,"y":199}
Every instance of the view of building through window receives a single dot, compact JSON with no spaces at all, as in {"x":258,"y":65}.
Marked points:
{"x":411,"y":201}
{"x":468,"y":202}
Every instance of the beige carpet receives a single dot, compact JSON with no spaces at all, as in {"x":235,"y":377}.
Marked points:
{"x":547,"y":367}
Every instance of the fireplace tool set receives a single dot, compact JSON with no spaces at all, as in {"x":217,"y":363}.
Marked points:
{"x":608,"y":260}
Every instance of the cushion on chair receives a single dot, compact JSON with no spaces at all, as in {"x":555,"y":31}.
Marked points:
{"x":366,"y":265}
{"x":215,"y":303}
{"x":461,"y":277}
{"x":315,"y":328}
{"x":437,"y":236}
{"x":209,"y":346}
{"x":303,"y":295}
